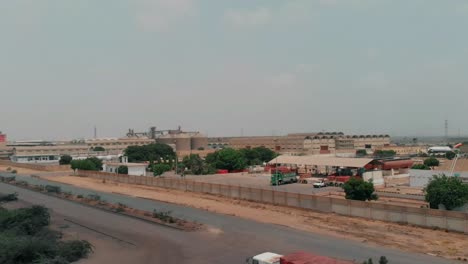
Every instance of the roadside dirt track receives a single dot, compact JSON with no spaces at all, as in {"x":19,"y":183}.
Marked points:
{"x":407,"y":238}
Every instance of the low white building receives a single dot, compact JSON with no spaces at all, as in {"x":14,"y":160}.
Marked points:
{"x":36,"y":158}
{"x":136,"y":169}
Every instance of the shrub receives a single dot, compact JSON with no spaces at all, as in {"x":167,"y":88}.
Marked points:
{"x":9,"y":197}
{"x":24,"y":221}
{"x":25,"y":238}
{"x":14,"y":171}
{"x":420,"y":167}
{"x":159,"y":169}
{"x":8,"y":169}
{"x":79,"y":196}
{"x":164,"y":216}
{"x":53,"y":189}
{"x":22,"y":183}
{"x":74,"y":250}
{"x":431,"y":162}
{"x":94,"y":197}
{"x":7,"y":178}
{"x":120,"y":209}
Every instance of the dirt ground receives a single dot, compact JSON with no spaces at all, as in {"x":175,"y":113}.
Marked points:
{"x":408,"y":238}
{"x":3,"y":168}
{"x":404,"y":190}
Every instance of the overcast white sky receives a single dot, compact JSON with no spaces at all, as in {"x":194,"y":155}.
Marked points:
{"x":359,"y":66}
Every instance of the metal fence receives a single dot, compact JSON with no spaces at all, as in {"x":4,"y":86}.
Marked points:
{"x":449,"y":220}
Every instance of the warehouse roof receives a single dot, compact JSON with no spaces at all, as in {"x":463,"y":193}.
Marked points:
{"x":322,"y":161}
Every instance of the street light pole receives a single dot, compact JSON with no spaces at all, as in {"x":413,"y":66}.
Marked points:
{"x":176,"y":158}
{"x":276,"y":163}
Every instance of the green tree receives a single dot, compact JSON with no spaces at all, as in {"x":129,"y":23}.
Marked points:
{"x":99,"y":148}
{"x":257,"y":156}
{"x":122,"y":169}
{"x":361,"y":152}
{"x":420,"y":167}
{"x":150,"y":152}
{"x":93,"y":164}
{"x":65,"y":160}
{"x":227,"y":159}
{"x":194,"y":163}
{"x":384,"y":153}
{"x":265,"y":154}
{"x":160,"y":168}
{"x":450,"y":155}
{"x":83,"y":165}
{"x":431,"y":162}
{"x":357,"y":189}
{"x":448,"y":191}
{"x":97,"y":162}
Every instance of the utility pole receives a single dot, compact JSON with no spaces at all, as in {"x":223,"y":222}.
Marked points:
{"x":95,"y":132}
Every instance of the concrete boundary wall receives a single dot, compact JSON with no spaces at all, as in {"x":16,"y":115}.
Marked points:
{"x":425,"y":217}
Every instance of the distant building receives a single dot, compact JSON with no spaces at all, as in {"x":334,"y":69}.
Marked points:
{"x":118,"y":144}
{"x":184,"y":141}
{"x":405,"y":150}
{"x":305,"y":143}
{"x":3,"y":140}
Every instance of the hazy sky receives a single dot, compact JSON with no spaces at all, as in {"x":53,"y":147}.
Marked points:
{"x":274,"y":66}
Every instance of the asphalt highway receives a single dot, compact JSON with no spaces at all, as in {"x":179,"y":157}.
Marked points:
{"x":229,"y":239}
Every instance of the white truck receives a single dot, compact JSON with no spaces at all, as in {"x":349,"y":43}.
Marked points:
{"x":320,"y":184}
{"x":265,"y":258}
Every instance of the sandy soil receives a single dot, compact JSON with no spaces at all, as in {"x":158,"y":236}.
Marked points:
{"x":415,"y":239}
{"x":3,"y":168}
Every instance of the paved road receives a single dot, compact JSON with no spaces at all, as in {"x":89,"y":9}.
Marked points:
{"x":239,"y":237}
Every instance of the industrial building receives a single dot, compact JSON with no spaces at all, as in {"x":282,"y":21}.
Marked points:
{"x":305,"y":143}
{"x":3,"y":140}
{"x":39,"y":151}
{"x":405,"y":150}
